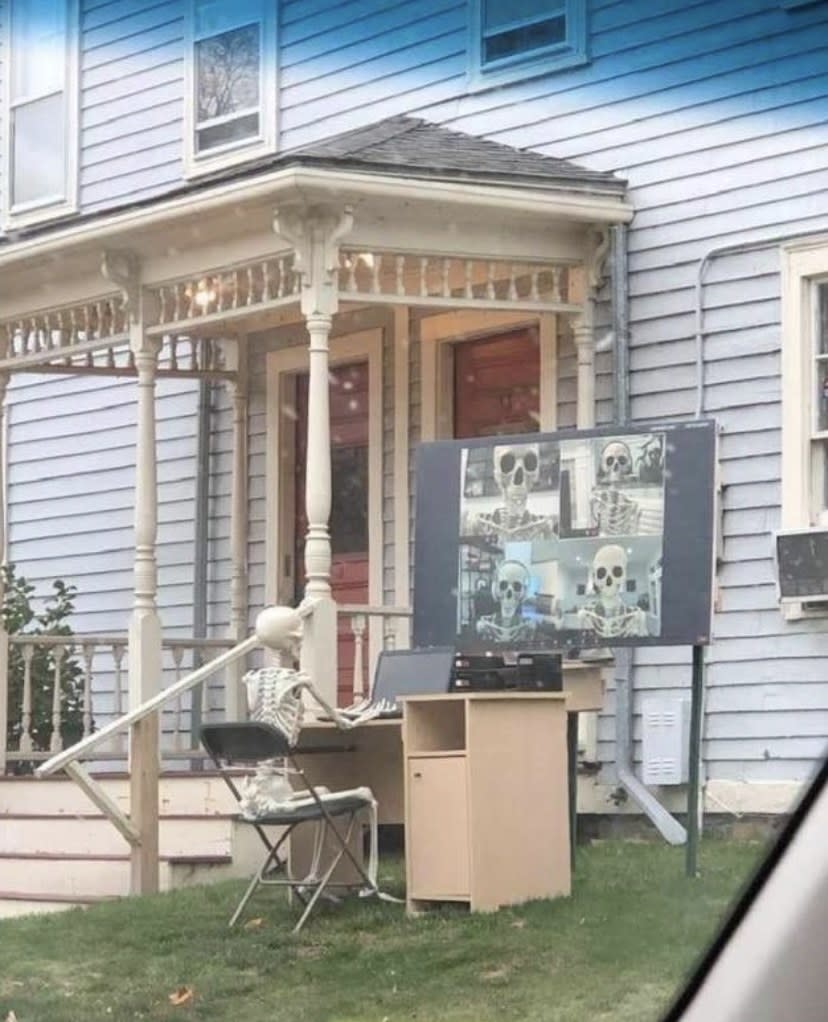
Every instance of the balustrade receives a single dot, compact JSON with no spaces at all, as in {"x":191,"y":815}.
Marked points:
{"x":390,"y":631}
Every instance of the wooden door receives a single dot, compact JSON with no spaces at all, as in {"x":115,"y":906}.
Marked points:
{"x":349,"y":507}
{"x":497,"y":384}
{"x":437,"y":826}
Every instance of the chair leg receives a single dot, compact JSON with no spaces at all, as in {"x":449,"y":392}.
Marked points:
{"x":322,"y":883}
{"x":258,"y":877}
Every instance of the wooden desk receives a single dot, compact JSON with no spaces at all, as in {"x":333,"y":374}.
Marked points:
{"x":486,"y":798}
{"x":372,"y":754}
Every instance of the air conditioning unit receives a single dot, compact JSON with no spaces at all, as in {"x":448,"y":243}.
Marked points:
{"x":801,"y":557}
{"x":666,"y":736}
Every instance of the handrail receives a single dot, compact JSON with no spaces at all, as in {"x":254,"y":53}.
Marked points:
{"x":145,"y":709}
{"x":352,"y":609}
{"x":274,"y":627}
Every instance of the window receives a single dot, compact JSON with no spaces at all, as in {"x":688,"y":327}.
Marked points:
{"x":512,"y":39}
{"x":41,"y":108}
{"x":231,"y":83}
{"x":805,"y":387}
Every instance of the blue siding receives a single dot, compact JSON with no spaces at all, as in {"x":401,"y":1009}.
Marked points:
{"x":715,"y":113}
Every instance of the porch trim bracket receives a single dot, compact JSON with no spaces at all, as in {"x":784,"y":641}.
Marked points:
{"x":315,"y":234}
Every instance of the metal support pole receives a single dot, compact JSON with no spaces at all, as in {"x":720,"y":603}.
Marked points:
{"x":572,"y":772}
{"x":695,"y":761}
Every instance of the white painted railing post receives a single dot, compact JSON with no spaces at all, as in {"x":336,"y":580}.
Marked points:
{"x":585,"y":352}
{"x":144,"y":646}
{"x":358,"y":623}
{"x":238,"y":532}
{"x":4,"y":637}
{"x":315,"y":235}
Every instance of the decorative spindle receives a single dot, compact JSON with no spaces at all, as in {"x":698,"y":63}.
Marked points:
{"x":178,"y":712}
{"x":513,"y":292}
{"x":56,"y":743}
{"x":556,"y":283}
{"x":445,"y":278}
{"x":534,"y":294}
{"x":88,"y":651}
{"x":266,"y":281}
{"x":468,"y":290}
{"x":423,"y":276}
{"x":490,"y":281}
{"x":251,"y":283}
{"x":389,"y":634}
{"x":358,"y":623}
{"x":352,"y":265}
{"x":26,"y":732}
{"x":176,"y":313}
{"x":375,"y":272}
{"x":282,"y":277}
{"x":118,"y":652}
{"x":400,"y":271}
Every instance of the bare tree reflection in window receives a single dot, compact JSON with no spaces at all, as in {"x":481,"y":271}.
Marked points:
{"x":228,"y":73}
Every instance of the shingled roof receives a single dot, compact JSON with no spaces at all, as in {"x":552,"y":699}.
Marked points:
{"x":402,"y":146}
{"x":405,"y":144}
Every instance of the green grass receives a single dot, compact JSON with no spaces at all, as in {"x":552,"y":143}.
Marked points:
{"x":614,"y":951}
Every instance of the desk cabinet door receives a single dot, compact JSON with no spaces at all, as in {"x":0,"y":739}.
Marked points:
{"x":436,"y":833}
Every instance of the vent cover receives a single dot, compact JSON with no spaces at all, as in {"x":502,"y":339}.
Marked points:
{"x":666,"y":733}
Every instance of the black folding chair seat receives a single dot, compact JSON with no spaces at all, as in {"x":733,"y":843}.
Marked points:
{"x":249,"y":743}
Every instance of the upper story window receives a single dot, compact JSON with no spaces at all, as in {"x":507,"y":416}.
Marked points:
{"x":805,"y":388}
{"x":40,"y":108}
{"x":512,"y":39}
{"x":231,"y":109}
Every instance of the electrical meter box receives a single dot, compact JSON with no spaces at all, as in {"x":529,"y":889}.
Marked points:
{"x":666,"y":735}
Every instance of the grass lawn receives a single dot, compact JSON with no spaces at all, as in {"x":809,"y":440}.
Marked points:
{"x":614,"y":951}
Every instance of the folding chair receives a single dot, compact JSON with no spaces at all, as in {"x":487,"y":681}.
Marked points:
{"x":265,"y":746}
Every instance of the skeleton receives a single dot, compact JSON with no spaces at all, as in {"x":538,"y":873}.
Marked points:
{"x":277,"y":696}
{"x":516,"y":471}
{"x":606,"y":614}
{"x":614,"y":512}
{"x":507,"y":625}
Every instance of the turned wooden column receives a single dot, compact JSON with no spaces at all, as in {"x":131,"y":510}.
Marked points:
{"x":238,"y":537}
{"x":144,"y":651}
{"x":315,"y":235}
{"x":585,"y":353}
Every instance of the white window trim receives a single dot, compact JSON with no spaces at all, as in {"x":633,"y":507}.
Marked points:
{"x":803,"y":264}
{"x":42,"y":210}
{"x":241,"y":151}
{"x":573,"y":53}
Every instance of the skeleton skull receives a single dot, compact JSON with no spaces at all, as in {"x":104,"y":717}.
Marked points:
{"x":516,"y":470}
{"x":509,"y":588}
{"x":609,"y":573}
{"x":616,"y":462}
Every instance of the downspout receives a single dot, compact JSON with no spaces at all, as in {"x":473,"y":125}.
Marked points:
{"x":666,"y":824}
{"x":201,"y":542}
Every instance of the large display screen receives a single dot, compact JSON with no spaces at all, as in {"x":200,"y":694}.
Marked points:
{"x":566,"y":540}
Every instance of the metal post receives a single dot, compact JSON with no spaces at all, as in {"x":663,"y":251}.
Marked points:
{"x":695,"y":761}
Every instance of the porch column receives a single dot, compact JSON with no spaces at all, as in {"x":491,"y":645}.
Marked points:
{"x":144,"y":649}
{"x":315,"y":236}
{"x":584,"y":333}
{"x":4,"y":637}
{"x":238,"y":532}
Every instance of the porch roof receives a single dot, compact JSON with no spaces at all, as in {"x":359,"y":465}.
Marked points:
{"x":402,"y":146}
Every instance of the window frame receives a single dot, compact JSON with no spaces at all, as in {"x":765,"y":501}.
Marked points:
{"x":573,"y":52}
{"x":36,"y":211}
{"x":804,"y":267}
{"x":241,"y":150}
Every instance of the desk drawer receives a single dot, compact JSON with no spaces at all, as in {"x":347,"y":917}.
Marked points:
{"x":436,"y":833}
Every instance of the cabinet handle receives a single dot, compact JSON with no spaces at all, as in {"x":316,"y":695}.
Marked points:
{"x":417,"y":773}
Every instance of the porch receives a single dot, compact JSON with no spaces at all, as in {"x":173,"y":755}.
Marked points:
{"x":357,"y":255}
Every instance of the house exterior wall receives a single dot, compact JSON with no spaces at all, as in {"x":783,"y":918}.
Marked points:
{"x":715,"y":113}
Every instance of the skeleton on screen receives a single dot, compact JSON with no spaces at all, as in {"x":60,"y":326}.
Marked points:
{"x":516,"y":470}
{"x":606,"y":613}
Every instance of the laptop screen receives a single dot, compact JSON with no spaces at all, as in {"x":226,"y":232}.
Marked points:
{"x":408,"y":672}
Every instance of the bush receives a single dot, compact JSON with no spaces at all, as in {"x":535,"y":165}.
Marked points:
{"x":21,"y":618}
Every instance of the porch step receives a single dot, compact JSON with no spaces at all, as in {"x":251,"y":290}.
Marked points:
{"x":191,"y":793}
{"x":14,"y":903}
{"x":94,"y":834}
{"x":82,"y":878}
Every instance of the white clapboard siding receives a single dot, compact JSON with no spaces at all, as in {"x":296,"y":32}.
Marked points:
{"x":71,"y":477}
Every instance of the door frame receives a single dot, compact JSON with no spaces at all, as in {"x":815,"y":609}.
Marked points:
{"x":282,"y":368}
{"x":438,"y":335}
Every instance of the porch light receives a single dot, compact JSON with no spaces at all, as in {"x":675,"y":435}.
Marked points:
{"x":205,"y":293}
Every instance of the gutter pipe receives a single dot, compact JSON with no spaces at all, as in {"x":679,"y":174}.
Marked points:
{"x":666,"y":824}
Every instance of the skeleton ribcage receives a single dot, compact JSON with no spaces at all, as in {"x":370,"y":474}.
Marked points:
{"x":614,"y":512}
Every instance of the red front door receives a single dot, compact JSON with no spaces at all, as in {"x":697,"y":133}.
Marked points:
{"x":349,"y":508}
{"x":497,"y":385}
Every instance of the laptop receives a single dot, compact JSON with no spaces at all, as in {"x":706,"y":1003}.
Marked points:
{"x":405,"y":672}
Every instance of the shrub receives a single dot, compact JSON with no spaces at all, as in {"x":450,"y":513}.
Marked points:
{"x":22,"y":618}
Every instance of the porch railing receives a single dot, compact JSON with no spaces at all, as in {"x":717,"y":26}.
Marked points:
{"x":69,"y":686}
{"x":377,"y":628}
